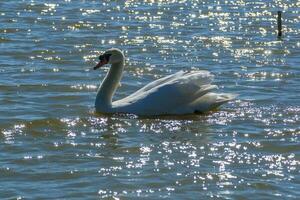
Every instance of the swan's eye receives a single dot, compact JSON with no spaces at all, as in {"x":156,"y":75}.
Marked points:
{"x":104,"y":57}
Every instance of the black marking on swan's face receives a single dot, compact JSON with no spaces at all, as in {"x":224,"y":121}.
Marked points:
{"x":105,"y":57}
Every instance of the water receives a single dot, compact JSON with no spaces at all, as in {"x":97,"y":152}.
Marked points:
{"x":54,"y":146}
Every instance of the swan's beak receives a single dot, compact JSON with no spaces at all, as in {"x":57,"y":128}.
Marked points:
{"x":100,"y":64}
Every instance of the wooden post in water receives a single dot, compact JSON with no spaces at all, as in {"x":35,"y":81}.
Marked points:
{"x":279,"y":24}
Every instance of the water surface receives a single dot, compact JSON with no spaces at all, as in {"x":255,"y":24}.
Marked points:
{"x":53,"y":145}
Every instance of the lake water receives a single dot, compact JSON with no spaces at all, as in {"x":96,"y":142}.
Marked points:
{"x":53,"y":145}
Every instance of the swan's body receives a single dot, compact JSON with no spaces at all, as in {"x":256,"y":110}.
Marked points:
{"x":180,"y":93}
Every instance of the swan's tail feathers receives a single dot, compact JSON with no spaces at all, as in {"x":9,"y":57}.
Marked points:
{"x":211,"y":101}
{"x":204,"y":90}
{"x":225,"y":97}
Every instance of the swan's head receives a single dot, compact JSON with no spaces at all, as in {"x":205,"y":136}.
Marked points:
{"x":111,"y":56}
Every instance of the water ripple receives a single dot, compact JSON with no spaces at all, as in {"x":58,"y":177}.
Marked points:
{"x":52,"y":141}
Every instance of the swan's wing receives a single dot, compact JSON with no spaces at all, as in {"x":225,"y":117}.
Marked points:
{"x":157,"y":82}
{"x":167,"y":94}
{"x":179,"y":77}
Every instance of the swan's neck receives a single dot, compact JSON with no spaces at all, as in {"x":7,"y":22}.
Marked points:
{"x":110,"y":84}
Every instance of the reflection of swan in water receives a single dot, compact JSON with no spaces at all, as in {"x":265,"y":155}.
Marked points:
{"x":179,"y":93}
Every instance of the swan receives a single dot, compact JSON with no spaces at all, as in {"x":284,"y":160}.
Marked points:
{"x":179,"y":93}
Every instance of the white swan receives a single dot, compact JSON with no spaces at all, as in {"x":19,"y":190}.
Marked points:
{"x":179,"y":93}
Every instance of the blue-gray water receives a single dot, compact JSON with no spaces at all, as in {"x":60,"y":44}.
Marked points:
{"x":53,"y":145}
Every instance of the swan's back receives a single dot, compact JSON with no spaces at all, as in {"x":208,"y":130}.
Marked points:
{"x":180,"y":93}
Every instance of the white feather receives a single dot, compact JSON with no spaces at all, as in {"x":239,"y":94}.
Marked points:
{"x":179,"y":93}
